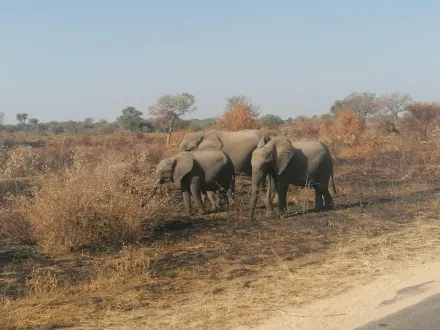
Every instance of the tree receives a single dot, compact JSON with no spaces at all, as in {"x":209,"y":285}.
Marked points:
{"x":239,"y":114}
{"x":336,"y":107}
{"x":422,"y":118}
{"x":88,"y":123}
{"x":2,"y":117}
{"x":21,"y":118}
{"x":170,"y":108}
{"x":33,"y":122}
{"x":395,"y":103}
{"x":363,"y":104}
{"x":130,"y":119}
{"x":271,"y":121}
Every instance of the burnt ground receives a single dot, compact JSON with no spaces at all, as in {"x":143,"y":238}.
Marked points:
{"x":221,"y":250}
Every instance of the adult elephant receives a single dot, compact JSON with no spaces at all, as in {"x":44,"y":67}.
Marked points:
{"x":303,"y":163}
{"x":238,"y":146}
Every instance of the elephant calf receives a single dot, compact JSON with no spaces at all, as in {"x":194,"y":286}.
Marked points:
{"x":197,"y":173}
{"x":304,"y":163}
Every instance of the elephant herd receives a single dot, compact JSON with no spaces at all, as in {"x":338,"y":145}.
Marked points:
{"x":208,"y":161}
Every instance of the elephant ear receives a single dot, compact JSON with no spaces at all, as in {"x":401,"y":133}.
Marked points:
{"x":263,"y":141}
{"x":212,"y":142}
{"x":182,"y":165}
{"x":284,"y":152}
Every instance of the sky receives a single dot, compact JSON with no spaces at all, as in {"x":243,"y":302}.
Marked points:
{"x":68,"y":60}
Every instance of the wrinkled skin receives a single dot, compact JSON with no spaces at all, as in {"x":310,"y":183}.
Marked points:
{"x":238,"y":146}
{"x":199,"y":173}
{"x":304,"y":163}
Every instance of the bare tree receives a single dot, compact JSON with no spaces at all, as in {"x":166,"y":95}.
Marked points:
{"x":171,"y":108}
{"x":2,"y":117}
{"x":395,"y":103}
{"x":422,"y":118}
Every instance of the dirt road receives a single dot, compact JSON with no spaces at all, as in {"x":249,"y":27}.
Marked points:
{"x":422,"y":316}
{"x":372,"y":306}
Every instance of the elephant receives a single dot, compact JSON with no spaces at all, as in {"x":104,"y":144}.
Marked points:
{"x":303,"y":163}
{"x":238,"y":146}
{"x":199,"y":173}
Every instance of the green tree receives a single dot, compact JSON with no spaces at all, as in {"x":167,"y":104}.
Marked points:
{"x":22,"y":118}
{"x":88,"y":123}
{"x":271,"y":121}
{"x":130,"y":119}
{"x":364,"y":104}
{"x":33,"y":122}
{"x":170,"y":109}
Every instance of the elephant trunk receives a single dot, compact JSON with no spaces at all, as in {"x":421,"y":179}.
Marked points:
{"x":151,"y":194}
{"x":257,"y":177}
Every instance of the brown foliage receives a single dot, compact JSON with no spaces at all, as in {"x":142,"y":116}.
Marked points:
{"x":240,"y":114}
{"x":301,"y":128}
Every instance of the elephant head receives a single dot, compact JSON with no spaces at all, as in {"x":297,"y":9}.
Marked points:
{"x":200,"y":141}
{"x":173,"y":169}
{"x":270,"y":157}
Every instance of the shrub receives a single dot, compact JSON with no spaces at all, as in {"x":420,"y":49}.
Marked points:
{"x":240,"y":114}
{"x":302,"y":128}
{"x":21,"y":161}
{"x":88,"y":205}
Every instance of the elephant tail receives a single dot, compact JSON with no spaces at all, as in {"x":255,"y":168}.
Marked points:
{"x":333,"y":183}
{"x":233,"y":184}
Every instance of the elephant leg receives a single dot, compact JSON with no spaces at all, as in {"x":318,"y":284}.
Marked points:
{"x":270,"y":194}
{"x":328,"y":199}
{"x":273,"y":189}
{"x":262,"y":187}
{"x":195,"y":192}
{"x":204,"y":196}
{"x":282,"y":188}
{"x":212,"y":200}
{"x":187,"y":201}
{"x":318,"y":199}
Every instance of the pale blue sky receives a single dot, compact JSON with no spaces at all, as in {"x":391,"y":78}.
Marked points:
{"x":62,"y":60}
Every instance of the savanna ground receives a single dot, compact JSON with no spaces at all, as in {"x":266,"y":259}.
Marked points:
{"x":78,"y":251}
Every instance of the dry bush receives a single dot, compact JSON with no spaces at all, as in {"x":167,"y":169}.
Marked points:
{"x":21,"y":161}
{"x":239,"y":115}
{"x":345,"y":136}
{"x":421,"y":119}
{"x":13,"y":222}
{"x":301,"y":128}
{"x":88,"y":205}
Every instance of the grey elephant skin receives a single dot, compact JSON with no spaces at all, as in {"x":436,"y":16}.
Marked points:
{"x":238,"y":146}
{"x":199,"y":173}
{"x":303,"y":163}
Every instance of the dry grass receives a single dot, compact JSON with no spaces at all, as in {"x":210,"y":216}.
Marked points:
{"x":79,"y":251}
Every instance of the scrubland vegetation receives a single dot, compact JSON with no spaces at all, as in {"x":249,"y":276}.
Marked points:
{"x":78,"y":250}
